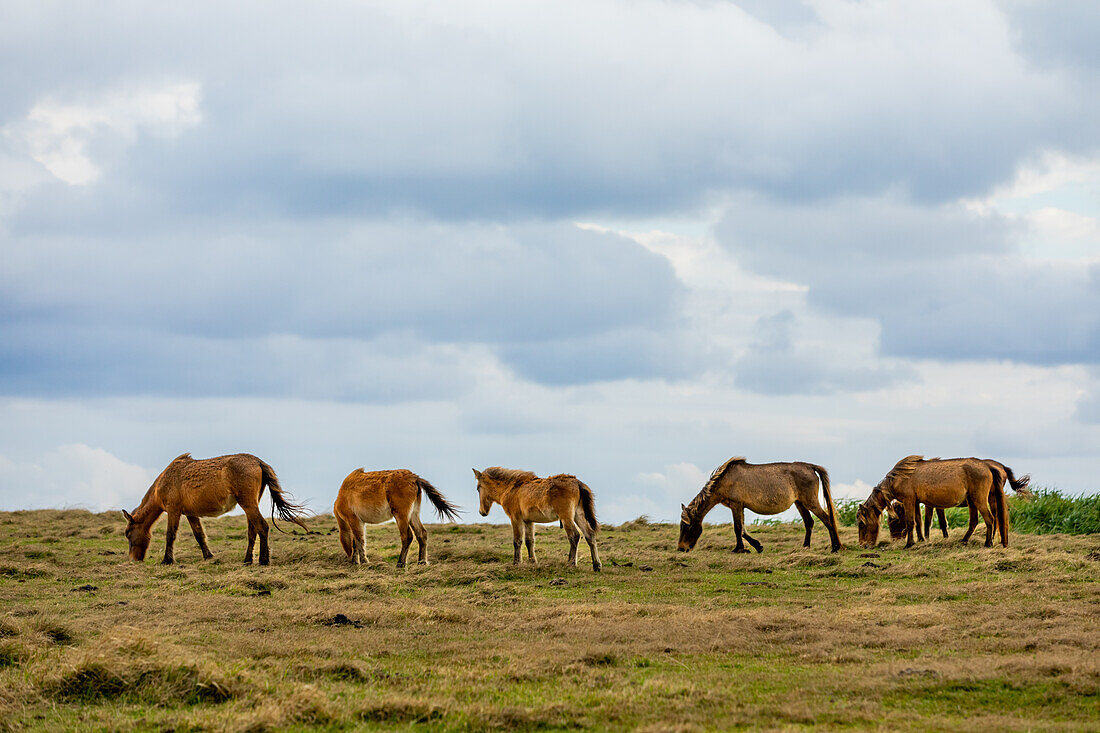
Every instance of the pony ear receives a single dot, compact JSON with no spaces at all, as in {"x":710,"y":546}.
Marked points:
{"x":477,"y":473}
{"x":683,"y":507}
{"x":129,"y":517}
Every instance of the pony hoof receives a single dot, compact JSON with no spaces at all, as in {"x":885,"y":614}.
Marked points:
{"x":740,"y":551}
{"x":167,"y":562}
{"x":400,"y":565}
{"x":597,"y":568}
{"x":761,"y":549}
{"x":422,"y":562}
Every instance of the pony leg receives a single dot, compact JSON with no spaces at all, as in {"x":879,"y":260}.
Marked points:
{"x":917,"y":522}
{"x":943,"y":521}
{"x":814,"y":506}
{"x":517,"y":539}
{"x":589,"y":533}
{"x":574,"y":535}
{"x":170,"y":537}
{"x":807,"y":519}
{"x":739,"y":528}
{"x":529,"y":540}
{"x":421,"y":539}
{"x":257,"y":527}
{"x":347,"y":539}
{"x":200,"y":536}
{"x":911,"y":506}
{"x":360,"y":530}
{"x":406,"y":539}
{"x":251,"y":540}
{"x":927,"y":521}
{"x":973,"y":521}
{"x":987,"y":515}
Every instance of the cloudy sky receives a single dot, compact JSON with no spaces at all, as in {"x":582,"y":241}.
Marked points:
{"x":625,"y":240}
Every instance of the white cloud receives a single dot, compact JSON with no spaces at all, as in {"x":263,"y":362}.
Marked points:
{"x":74,"y":475}
{"x":59,"y":134}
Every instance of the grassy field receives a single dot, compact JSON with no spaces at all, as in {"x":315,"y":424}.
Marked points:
{"x":943,"y":636}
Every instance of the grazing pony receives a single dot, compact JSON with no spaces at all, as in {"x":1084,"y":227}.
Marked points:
{"x":209,"y":488}
{"x":1002,"y":475}
{"x":377,"y":496}
{"x":937,"y":483}
{"x":527,"y":499}
{"x":767,"y":488}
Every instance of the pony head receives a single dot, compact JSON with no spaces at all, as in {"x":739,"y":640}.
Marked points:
{"x":485,"y":497}
{"x":138,"y":535}
{"x":690,"y":529}
{"x":868,"y":521}
{"x":895,"y":519}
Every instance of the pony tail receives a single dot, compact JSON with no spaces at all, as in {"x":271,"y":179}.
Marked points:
{"x":824,"y":476}
{"x":444,"y":508}
{"x":588,"y":505}
{"x":1020,"y":486}
{"x":288,"y":510}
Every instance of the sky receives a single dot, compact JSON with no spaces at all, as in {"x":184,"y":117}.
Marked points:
{"x":624,"y":240}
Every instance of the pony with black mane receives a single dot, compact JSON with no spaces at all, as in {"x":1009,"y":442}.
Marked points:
{"x":767,"y":488}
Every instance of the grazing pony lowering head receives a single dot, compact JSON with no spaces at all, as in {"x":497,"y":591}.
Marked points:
{"x":895,"y":519}
{"x":138,"y":535}
{"x":869,"y":514}
{"x":691,"y":516}
{"x":492,"y":481}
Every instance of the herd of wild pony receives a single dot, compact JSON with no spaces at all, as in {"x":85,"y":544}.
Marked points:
{"x":208,"y":488}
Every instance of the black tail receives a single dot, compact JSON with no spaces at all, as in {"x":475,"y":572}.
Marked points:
{"x":444,"y":508}
{"x":287,"y":509}
{"x":1020,"y":485}
{"x":588,"y":506}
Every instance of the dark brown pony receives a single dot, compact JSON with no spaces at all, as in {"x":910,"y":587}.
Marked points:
{"x":378,"y":496}
{"x":209,"y":488}
{"x":768,"y":488}
{"x":528,"y":499}
{"x":937,"y":483}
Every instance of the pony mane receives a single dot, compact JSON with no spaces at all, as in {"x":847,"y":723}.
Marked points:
{"x":715,"y":476}
{"x":901,"y":469}
{"x":513,"y":476}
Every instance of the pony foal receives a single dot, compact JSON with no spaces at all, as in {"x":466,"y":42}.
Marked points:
{"x":209,"y":488}
{"x":527,"y":499}
{"x":372,"y":497}
{"x":767,"y":488}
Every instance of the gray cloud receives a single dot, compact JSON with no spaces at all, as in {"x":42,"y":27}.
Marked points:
{"x":249,"y":312}
{"x":362,"y":110}
{"x":943,"y":283}
{"x":775,"y":365}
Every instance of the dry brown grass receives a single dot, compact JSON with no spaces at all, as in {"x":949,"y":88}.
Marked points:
{"x":941,"y":636}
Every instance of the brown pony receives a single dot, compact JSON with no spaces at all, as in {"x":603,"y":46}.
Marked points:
{"x":1002,"y":475}
{"x":937,"y":483}
{"x":209,"y":488}
{"x":527,"y":499}
{"x":377,"y":496}
{"x":767,"y":488}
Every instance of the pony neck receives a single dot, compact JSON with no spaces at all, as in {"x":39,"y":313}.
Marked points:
{"x":701,"y":505}
{"x":877,"y":501}
{"x":150,"y":507}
